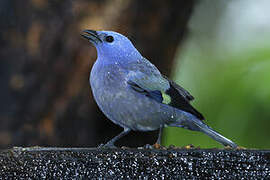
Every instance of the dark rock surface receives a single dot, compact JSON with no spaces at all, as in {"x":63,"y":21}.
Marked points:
{"x":82,"y":163}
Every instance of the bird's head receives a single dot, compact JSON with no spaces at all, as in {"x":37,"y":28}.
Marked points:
{"x":112,"y":47}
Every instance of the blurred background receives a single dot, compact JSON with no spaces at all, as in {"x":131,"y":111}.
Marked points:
{"x":218,"y":50}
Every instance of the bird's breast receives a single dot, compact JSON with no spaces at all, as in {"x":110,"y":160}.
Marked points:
{"x":122,"y":104}
{"x":109,"y":85}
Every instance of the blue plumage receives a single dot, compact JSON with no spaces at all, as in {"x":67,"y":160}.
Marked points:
{"x":132,"y":92}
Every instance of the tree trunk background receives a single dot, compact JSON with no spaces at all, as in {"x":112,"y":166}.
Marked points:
{"x":45,"y":96}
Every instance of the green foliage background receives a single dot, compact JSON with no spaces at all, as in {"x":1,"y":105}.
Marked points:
{"x":231,"y":89}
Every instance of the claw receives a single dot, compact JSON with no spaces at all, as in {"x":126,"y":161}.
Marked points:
{"x":106,"y":146}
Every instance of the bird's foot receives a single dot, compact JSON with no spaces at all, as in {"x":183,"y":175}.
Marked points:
{"x":148,"y":146}
{"x":107,"y":146}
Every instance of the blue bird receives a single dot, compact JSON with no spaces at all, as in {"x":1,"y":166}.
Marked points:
{"x":132,"y":92}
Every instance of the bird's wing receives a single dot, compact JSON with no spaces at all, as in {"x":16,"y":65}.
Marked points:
{"x":151,"y":83}
{"x":180,"y":89}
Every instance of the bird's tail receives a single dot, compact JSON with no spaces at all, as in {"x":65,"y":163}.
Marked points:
{"x":197,"y":125}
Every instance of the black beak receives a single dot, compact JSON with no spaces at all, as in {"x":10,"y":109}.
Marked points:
{"x":91,"y":35}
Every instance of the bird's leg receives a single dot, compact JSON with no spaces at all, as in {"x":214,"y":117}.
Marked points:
{"x":160,"y":134}
{"x":110,"y":144}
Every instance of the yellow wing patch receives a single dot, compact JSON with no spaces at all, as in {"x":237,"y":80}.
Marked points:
{"x":166,"y":98}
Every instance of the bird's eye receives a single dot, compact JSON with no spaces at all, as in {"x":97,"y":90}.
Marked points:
{"x":109,"y":39}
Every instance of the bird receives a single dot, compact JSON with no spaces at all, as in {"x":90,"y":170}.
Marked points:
{"x":133,"y":93}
